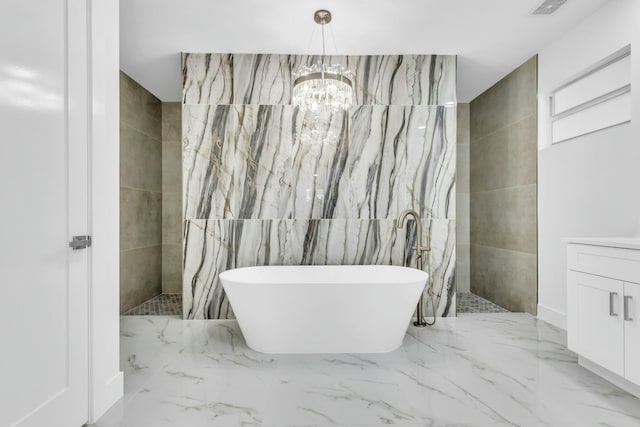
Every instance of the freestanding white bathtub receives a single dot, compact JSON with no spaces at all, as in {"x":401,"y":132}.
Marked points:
{"x":324,"y":309}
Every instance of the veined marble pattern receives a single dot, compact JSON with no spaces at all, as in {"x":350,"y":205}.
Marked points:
{"x":442,"y":266}
{"x":404,"y":79}
{"x":319,"y":166}
{"x":210,"y":136}
{"x":264,"y":242}
{"x":237,"y":161}
{"x":401,"y":157}
{"x":263,"y":164}
{"x":271,"y":162}
{"x":262,"y":79}
{"x":214,"y":246}
{"x":503,"y":369}
{"x":207,"y":252}
{"x":348,"y":242}
{"x":265,"y":184}
{"x":267,"y":79}
{"x":207,"y":79}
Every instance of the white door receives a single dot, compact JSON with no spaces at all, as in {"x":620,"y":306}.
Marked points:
{"x":632,"y":332}
{"x":599,"y":320}
{"x":43,"y":202}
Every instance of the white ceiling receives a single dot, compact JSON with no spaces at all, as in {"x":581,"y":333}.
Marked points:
{"x":490,"y":37}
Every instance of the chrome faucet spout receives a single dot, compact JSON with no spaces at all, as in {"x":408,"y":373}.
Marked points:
{"x":418,"y":248}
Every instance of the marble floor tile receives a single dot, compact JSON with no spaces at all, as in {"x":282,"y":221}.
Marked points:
{"x":494,"y":369}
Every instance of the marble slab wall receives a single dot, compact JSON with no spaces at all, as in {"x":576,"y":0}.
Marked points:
{"x":265,"y":184}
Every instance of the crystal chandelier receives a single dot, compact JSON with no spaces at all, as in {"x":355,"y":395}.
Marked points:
{"x":322,"y":88}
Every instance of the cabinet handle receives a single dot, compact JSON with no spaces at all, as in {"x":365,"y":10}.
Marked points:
{"x":627,"y":298}
{"x":612,"y":295}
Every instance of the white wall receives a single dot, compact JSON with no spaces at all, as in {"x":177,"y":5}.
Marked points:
{"x":588,"y":186}
{"x":106,"y":381}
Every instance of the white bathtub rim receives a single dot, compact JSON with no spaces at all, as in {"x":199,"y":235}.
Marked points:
{"x":234,"y":275}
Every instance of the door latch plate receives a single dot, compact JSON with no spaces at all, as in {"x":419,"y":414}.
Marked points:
{"x":80,"y":242}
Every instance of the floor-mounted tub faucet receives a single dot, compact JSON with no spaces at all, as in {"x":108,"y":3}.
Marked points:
{"x":420,"y":322}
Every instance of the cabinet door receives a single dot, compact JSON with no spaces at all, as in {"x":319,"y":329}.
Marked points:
{"x":632,"y":332}
{"x":599,"y":320}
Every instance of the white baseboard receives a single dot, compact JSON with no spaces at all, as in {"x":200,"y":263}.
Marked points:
{"x":621,"y":382}
{"x":106,"y":396}
{"x":554,"y":317}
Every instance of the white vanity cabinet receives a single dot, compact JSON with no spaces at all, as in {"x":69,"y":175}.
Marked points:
{"x":603,"y":307}
{"x":632,"y":333}
{"x":599,"y":331}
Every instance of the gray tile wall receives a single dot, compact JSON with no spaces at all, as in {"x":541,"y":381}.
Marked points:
{"x":171,"y":197}
{"x":462,"y":201}
{"x":503,"y":191}
{"x":140,"y":194}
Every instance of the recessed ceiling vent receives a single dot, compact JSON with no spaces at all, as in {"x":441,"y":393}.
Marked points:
{"x":548,"y":7}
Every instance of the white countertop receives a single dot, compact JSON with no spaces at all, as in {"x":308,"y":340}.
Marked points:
{"x":612,"y":242}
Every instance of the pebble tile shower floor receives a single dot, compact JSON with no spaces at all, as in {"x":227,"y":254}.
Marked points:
{"x":502,"y":369}
{"x":161,"y":305}
{"x":472,"y":303}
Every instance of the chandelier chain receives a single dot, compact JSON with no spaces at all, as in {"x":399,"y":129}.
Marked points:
{"x":321,"y":87}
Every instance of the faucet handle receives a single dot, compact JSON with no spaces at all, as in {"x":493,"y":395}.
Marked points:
{"x":420,"y":249}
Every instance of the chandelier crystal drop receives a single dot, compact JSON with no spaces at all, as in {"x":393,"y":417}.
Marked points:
{"x":323,"y":88}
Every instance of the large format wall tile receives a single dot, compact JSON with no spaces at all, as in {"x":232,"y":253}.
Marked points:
{"x":208,"y":158}
{"x":404,"y":79}
{"x":463,"y":215}
{"x":140,"y":160}
{"x":505,"y":218}
{"x":207,"y":78}
{"x":505,"y":277}
{"x":320,"y":150}
{"x":401,"y":158}
{"x":463,"y":118}
{"x":141,"y":180}
{"x":265,"y":184}
{"x":171,"y":121}
{"x":213,"y":246}
{"x":262,"y":165}
{"x":217,"y":79}
{"x":139,"y":109}
{"x":397,"y":79}
{"x":348,"y":241}
{"x":462,"y":199}
{"x":379,"y":242}
{"x":262,"y":79}
{"x":140,"y":275}
{"x":172,"y":167}
{"x":140,"y":218}
{"x":503,"y":191}
{"x":463,"y":267}
{"x":442,"y":267}
{"x":263,"y":242}
{"x":508,"y":101}
{"x":171,"y":197}
{"x":171,"y":219}
{"x":207,"y":251}
{"x":514,"y":148}
{"x":172,"y":268}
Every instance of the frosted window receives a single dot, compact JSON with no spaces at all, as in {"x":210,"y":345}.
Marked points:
{"x":601,"y":82}
{"x":600,"y":116}
{"x":598,"y":98}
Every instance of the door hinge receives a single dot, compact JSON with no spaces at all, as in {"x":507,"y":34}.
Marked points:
{"x":80,"y":242}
